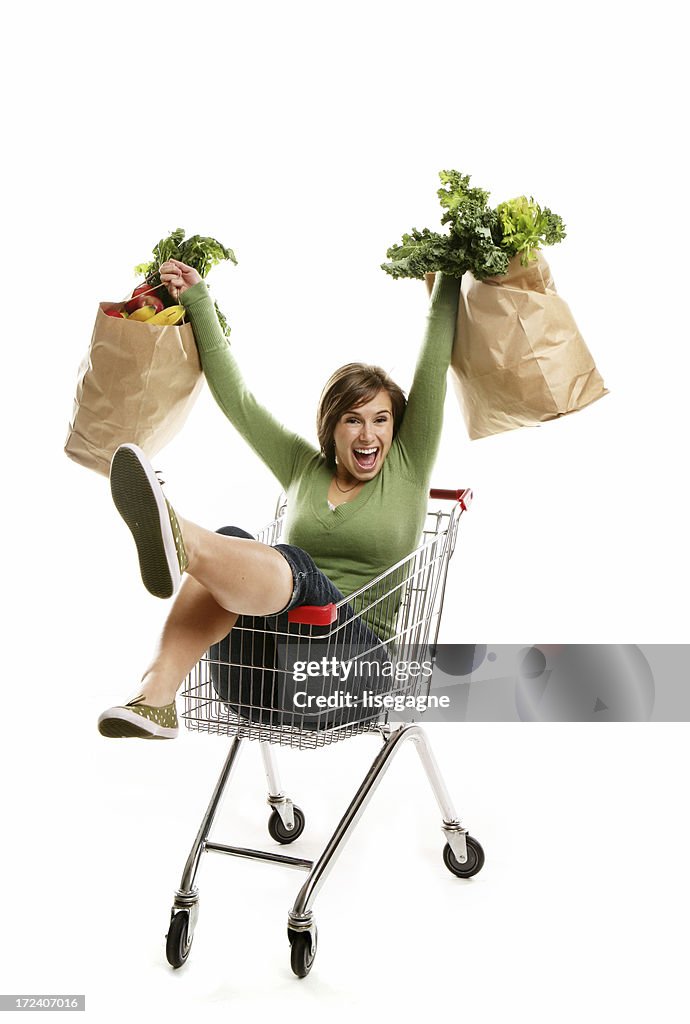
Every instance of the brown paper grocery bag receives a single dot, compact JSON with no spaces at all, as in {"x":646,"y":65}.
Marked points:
{"x":136,"y":384}
{"x":518,"y":357}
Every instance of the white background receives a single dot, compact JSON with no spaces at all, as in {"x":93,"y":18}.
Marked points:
{"x":309,"y":138}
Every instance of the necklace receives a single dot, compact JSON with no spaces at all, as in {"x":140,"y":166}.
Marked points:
{"x":345,"y":490}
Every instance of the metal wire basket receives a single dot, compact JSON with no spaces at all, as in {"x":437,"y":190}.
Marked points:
{"x":317,"y":677}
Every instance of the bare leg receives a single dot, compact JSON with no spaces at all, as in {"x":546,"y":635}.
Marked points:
{"x":196,"y":621}
{"x":224,"y":573}
{"x":244,"y":576}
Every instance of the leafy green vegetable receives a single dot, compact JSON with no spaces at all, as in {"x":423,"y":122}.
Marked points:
{"x":197,"y":251}
{"x":479,"y":239}
{"x":525,"y":226}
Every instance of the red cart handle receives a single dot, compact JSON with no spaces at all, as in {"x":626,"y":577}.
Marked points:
{"x":463,"y":496}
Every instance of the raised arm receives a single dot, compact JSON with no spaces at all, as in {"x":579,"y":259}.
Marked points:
{"x":283,"y":451}
{"x":420,"y":431}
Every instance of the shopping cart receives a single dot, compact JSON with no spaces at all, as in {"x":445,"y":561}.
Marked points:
{"x":291,"y":685}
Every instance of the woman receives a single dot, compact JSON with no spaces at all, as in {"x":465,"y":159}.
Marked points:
{"x":357,"y":506}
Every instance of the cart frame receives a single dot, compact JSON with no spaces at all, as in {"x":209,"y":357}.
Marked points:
{"x":418,"y":621}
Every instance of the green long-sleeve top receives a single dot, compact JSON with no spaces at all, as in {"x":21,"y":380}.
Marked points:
{"x":364,"y":537}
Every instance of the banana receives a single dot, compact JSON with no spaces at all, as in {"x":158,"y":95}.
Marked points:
{"x":168,"y":317}
{"x":143,"y":313}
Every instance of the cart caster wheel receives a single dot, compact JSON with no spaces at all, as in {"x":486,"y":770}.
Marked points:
{"x":179,"y":941}
{"x":302,"y":953}
{"x":473,"y":864}
{"x":280,"y":833}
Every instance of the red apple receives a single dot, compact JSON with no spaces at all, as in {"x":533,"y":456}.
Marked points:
{"x":144,"y":295}
{"x":115,"y":312}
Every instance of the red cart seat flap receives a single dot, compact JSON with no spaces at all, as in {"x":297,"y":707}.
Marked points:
{"x":313,"y":614}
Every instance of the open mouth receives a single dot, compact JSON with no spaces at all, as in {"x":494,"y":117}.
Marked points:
{"x":365,"y":457}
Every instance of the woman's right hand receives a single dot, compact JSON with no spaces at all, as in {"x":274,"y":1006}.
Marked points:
{"x":178,"y":277}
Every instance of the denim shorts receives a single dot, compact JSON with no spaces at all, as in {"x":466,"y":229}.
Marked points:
{"x":253,"y":667}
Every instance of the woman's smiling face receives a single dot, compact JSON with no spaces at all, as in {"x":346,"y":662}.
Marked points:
{"x":363,"y":437}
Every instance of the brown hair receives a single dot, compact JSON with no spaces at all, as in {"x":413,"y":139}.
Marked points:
{"x":353,"y":385}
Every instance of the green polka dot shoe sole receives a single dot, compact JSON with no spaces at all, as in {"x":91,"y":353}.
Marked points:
{"x":139,"y":721}
{"x":139,"y":499}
